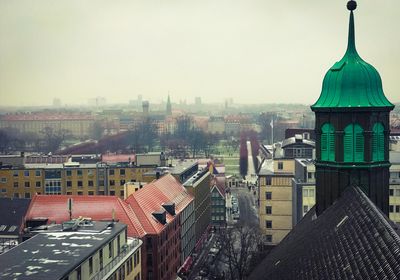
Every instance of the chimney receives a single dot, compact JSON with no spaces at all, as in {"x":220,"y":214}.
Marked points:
{"x":161,"y":216}
{"x":169,"y":207}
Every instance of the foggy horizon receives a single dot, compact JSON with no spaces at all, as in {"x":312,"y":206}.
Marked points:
{"x":252,"y":51}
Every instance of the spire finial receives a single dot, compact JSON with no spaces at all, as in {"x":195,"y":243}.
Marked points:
{"x":351,"y":6}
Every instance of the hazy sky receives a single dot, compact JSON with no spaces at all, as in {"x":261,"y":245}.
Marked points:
{"x":255,"y":51}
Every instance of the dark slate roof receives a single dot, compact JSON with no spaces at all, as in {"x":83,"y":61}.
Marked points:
{"x":12,"y":212}
{"x":352,"y":239}
{"x":54,"y":254}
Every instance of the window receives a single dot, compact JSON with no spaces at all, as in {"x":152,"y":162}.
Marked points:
{"x":397,"y":207}
{"x":90,"y":192}
{"x":15,"y":184}
{"x":122,"y":182}
{"x":280,"y":165}
{"x":268,"y":238}
{"x":396,"y":192}
{"x":38,"y":184}
{"x":38,"y":173}
{"x":26,"y":173}
{"x":305,"y":209}
{"x":69,"y":184}
{"x":3,"y":190}
{"x":79,"y":172}
{"x":309,"y":175}
{"x":90,"y":183}
{"x":101,"y":258}
{"x":112,"y":172}
{"x":353,"y":143}
{"x":80,"y":184}
{"x":391,"y":192}
{"x":268,"y":224}
{"x":268,"y":195}
{"x":391,"y":208}
{"x":68,"y":173}
{"x":121,"y":193}
{"x":112,"y":192}
{"x":27,"y":184}
{"x":327,"y":142}
{"x":79,"y":273}
{"x":80,"y":193}
{"x":3,"y":180}
{"x":15,"y":173}
{"x":110,"y":249}
{"x":90,"y":265}
{"x":378,"y":142}
{"x":268,"y":181}
{"x":16,"y":195}
{"x":268,"y":210}
{"x":122,"y":172}
{"x":112,"y":182}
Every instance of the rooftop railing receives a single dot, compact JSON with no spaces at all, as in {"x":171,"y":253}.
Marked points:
{"x":112,"y":266}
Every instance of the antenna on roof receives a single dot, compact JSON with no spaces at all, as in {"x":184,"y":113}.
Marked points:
{"x":69,"y":204}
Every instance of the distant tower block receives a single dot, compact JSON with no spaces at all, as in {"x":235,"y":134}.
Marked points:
{"x":145,"y":106}
{"x":197,"y":101}
{"x":169,"y":107}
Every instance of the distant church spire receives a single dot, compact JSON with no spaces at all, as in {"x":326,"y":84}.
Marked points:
{"x":169,"y":107}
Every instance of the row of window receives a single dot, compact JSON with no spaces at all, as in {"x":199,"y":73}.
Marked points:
{"x":353,"y":142}
{"x":55,"y":190}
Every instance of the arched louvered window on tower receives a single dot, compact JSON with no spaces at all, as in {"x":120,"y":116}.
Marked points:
{"x":327,"y":142}
{"x":353,"y":143}
{"x":378,"y":142}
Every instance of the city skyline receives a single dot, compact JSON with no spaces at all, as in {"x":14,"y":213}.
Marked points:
{"x":250,"y":51}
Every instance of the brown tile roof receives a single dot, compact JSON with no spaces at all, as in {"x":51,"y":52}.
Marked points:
{"x":149,"y":199}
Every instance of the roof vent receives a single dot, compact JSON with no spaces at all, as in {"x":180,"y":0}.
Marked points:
{"x":161,"y":216}
{"x":170,"y":208}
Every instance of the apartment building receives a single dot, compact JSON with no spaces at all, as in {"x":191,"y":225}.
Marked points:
{"x":77,"y":249}
{"x":303,"y":188}
{"x":277,"y":200}
{"x":166,"y":232}
{"x":218,"y":207}
{"x":198,"y":185}
{"x":69,"y":178}
{"x":78,"y":124}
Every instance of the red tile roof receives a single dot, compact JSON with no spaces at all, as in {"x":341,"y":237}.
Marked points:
{"x":47,"y":117}
{"x":54,"y":207}
{"x":115,"y":158}
{"x":136,"y":211}
{"x":149,"y":199}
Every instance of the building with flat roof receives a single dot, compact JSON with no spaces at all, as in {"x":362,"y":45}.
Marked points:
{"x":78,"y":249}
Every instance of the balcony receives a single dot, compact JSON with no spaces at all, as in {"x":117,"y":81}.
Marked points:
{"x":126,"y":251}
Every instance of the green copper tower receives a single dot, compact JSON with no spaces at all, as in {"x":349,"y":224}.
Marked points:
{"x":352,"y":129}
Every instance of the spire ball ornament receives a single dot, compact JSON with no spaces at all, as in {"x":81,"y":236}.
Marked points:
{"x":351,"y":5}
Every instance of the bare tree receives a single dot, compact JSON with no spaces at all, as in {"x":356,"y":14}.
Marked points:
{"x":241,"y":245}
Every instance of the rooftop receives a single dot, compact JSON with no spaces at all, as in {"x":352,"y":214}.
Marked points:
{"x":54,"y":254}
{"x":12,"y":212}
{"x":352,"y":239}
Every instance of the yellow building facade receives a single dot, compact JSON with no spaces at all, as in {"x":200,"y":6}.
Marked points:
{"x":85,"y":179}
{"x":275,"y":199}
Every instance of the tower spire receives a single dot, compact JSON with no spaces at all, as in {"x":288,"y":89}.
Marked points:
{"x":351,"y":45}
